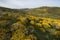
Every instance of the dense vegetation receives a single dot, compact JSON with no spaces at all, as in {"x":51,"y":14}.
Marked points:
{"x":30,"y":24}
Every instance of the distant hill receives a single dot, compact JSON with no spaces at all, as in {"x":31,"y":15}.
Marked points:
{"x":50,"y":12}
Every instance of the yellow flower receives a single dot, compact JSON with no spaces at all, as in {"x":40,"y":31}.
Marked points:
{"x":32,"y":22}
{"x":31,"y":17}
{"x":42,"y":29}
{"x":57,"y":33}
{"x":37,"y":18}
{"x":58,"y":25}
{"x":39,"y":25}
{"x":46,"y":24}
{"x":22,"y":19}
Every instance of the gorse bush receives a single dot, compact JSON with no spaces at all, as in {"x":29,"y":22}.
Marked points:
{"x":30,"y":28}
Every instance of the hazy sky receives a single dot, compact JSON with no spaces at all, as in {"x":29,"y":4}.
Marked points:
{"x":28,"y":3}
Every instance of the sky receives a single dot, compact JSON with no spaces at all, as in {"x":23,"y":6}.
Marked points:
{"x":28,"y":3}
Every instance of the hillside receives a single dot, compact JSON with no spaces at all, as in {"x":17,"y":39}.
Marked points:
{"x":48,"y":12}
{"x":30,"y":24}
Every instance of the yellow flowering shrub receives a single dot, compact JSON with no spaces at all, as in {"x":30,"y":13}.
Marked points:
{"x":58,"y":25}
{"x":30,"y":28}
{"x":42,"y":29}
{"x":39,"y":24}
{"x":31,"y":17}
{"x":37,"y":18}
{"x":57,"y":33}
{"x":32,"y":37}
{"x":23,"y":19}
{"x":32,"y":22}
{"x":46,"y":24}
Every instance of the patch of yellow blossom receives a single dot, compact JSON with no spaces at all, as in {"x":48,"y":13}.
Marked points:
{"x":44,"y":18}
{"x":42,"y":29}
{"x":46,"y":24}
{"x":39,"y":25}
{"x":31,"y":17}
{"x":57,"y":33}
{"x":58,"y":25}
{"x":32,"y":22}
{"x":27,"y":39}
{"x":37,"y":18}
{"x":22,"y":19}
{"x":32,"y":37}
